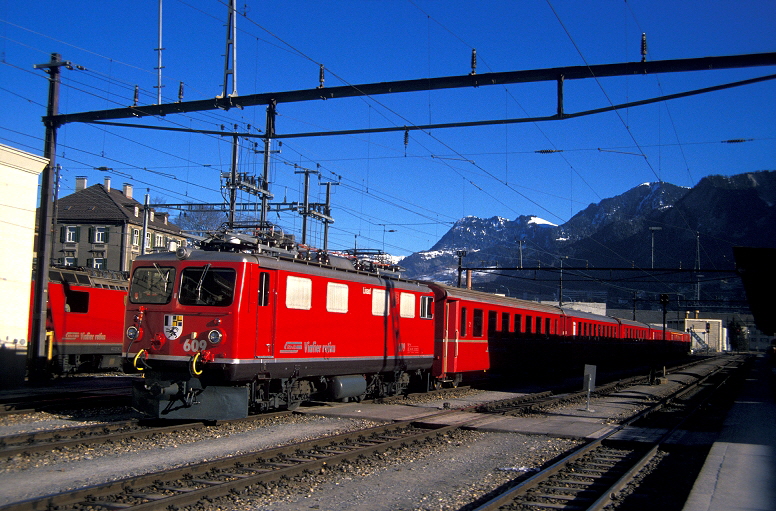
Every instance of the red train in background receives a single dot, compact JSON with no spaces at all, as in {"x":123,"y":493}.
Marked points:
{"x":239,"y":326}
{"x":84,"y":320}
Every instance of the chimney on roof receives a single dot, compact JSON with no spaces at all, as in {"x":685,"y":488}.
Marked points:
{"x":107,"y":184}
{"x":80,"y":183}
{"x":127,"y":190}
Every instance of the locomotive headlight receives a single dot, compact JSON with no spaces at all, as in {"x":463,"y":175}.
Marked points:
{"x":133,"y":333}
{"x":215,"y":336}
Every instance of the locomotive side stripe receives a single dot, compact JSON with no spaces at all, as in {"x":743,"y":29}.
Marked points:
{"x":179,"y":358}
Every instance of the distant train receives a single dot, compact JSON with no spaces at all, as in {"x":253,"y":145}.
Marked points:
{"x":240,"y":327}
{"x":84,"y":319}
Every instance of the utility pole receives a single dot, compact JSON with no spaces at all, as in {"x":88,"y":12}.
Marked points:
{"x":233,"y":184}
{"x":159,"y":60}
{"x":461,"y":254}
{"x":652,"y":231}
{"x":306,"y":207}
{"x":327,"y":212}
{"x":269,"y":132}
{"x":230,"y":56}
{"x":146,"y":214}
{"x":36,"y":350}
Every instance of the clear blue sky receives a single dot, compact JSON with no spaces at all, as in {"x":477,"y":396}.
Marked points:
{"x":404,"y":197}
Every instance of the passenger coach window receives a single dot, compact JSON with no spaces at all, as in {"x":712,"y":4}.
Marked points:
{"x":492,"y":323}
{"x":263,"y":289}
{"x":206,"y":285}
{"x":463,"y":321}
{"x":477,"y":323}
{"x":518,"y":323}
{"x":425,"y":307}
{"x":528,"y":320}
{"x":538,"y":325}
{"x":505,"y":322}
{"x":152,"y":285}
{"x":547,"y":325}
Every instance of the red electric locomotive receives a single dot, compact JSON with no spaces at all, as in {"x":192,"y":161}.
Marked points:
{"x":220,"y":332}
{"x":84,"y":323}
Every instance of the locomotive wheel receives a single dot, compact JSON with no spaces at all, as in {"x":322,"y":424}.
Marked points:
{"x":293,"y":405}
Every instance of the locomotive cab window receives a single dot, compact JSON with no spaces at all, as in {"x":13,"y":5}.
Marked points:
{"x":263,"y":289}
{"x":152,"y":284}
{"x":205,"y":285}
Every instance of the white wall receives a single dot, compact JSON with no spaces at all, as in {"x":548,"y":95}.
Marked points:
{"x":19,"y":173}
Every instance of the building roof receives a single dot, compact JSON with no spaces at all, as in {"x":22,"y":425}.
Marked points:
{"x":96,"y":204}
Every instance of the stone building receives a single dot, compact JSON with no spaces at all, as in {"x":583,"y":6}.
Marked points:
{"x":102,"y":227}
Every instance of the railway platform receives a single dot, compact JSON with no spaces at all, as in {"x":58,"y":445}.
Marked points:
{"x":740,"y":470}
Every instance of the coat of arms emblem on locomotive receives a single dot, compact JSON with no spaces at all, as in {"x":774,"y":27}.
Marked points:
{"x":173,"y":326}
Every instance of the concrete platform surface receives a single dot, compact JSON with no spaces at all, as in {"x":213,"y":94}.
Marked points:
{"x":740,"y":470}
{"x":573,"y":421}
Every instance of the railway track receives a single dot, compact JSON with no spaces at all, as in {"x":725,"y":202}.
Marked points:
{"x":189,"y":485}
{"x":588,"y":475}
{"x":591,"y":477}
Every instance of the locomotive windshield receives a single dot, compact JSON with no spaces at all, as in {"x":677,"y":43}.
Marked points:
{"x":152,"y":284}
{"x":206,"y":285}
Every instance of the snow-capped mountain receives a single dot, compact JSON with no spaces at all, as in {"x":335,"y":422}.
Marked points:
{"x":721,"y":211}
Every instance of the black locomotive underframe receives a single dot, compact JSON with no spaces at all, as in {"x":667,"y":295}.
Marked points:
{"x":225,"y":391}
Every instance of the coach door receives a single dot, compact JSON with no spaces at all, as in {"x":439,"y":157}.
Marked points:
{"x":455,"y":315}
{"x":265,"y":313}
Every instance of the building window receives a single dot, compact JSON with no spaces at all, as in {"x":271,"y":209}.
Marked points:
{"x":148,"y":240}
{"x":136,"y":237}
{"x":70,"y":234}
{"x":159,"y":241}
{"x":69,"y":261}
{"x":98,"y":263}
{"x":100,"y":235}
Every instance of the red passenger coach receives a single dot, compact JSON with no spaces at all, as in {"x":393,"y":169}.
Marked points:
{"x":220,"y":332}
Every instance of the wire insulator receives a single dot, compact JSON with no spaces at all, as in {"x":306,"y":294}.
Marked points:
{"x":644,"y":47}
{"x":180,"y":92}
{"x":474,"y":61}
{"x":321,"y":77}
{"x":137,"y":95}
